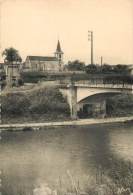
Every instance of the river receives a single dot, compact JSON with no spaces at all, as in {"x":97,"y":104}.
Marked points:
{"x":58,"y":155}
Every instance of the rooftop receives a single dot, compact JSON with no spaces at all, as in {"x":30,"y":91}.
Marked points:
{"x":58,"y":49}
{"x":42,"y":58}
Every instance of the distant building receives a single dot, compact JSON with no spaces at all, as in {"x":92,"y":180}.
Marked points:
{"x":46,"y":63}
{"x":12,"y":74}
{"x":130,"y":68}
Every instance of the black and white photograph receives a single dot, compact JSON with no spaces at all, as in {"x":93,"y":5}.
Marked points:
{"x":66,"y":97}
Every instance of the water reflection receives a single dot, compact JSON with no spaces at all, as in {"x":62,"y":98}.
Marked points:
{"x":29,"y":159}
{"x":121,"y":142}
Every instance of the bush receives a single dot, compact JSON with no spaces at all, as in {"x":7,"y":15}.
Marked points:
{"x":47,"y":102}
{"x":14,"y":104}
{"x":32,"y":76}
{"x":120,"y":105}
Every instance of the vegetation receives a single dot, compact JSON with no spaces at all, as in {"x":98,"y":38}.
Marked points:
{"x":11,"y":55}
{"x":107,"y":69}
{"x":75,"y":65}
{"x":41,"y":104}
{"x":117,"y":180}
{"x":2,"y":79}
{"x":120,"y":105}
{"x":32,"y":76}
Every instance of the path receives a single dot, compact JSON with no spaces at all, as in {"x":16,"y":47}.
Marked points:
{"x":63,"y":123}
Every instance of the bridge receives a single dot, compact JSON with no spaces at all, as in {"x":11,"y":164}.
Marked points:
{"x":85,"y":96}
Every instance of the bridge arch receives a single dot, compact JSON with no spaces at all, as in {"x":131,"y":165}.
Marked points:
{"x":83,"y":93}
{"x":94,"y":105}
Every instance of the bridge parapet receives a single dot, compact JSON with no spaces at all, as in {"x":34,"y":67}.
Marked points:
{"x":107,"y":86}
{"x":89,"y":84}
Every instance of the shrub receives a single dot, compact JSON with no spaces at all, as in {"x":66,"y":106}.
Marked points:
{"x":32,"y":76}
{"x":44,"y":101}
{"x":15,"y":104}
{"x":48,"y":100}
{"x":120,"y":105}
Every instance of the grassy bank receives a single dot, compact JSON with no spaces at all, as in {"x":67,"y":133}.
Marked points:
{"x":40,"y":105}
{"x":120,"y":105}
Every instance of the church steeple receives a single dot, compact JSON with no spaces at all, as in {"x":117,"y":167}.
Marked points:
{"x":59,"y":54}
{"x":58,"y":49}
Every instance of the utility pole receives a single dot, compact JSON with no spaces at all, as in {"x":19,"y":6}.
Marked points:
{"x":101,"y":60}
{"x":0,"y":28}
{"x":1,"y":1}
{"x":90,"y":38}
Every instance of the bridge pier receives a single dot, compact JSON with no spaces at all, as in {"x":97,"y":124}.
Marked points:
{"x":73,"y":101}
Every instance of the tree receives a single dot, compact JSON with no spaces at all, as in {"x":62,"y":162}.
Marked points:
{"x":92,"y":68}
{"x":106,"y":68}
{"x":75,"y":65}
{"x":120,"y":68}
{"x":11,"y":55}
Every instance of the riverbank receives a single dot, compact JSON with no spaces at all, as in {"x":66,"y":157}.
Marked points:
{"x":79,"y":122}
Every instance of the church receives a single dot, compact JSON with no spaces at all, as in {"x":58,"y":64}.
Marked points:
{"x":46,"y":63}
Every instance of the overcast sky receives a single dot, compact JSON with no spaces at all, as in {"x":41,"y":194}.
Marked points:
{"x":34,"y":26}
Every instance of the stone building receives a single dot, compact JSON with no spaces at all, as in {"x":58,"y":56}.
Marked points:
{"x":46,"y":63}
{"x":12,"y":74}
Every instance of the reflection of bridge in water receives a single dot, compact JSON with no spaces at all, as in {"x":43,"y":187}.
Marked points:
{"x":87,"y":98}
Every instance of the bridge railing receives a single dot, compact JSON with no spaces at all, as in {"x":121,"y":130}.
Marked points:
{"x":103,"y":85}
{"x":89,"y":83}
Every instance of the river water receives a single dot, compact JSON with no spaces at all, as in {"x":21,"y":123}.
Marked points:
{"x":56,"y":155}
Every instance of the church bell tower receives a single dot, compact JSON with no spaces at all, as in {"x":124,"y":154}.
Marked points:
{"x":59,"y":55}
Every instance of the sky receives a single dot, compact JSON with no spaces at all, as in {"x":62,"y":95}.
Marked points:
{"x":34,"y":26}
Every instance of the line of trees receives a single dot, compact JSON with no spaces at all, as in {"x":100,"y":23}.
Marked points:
{"x":77,"y":65}
{"x":107,"y":69}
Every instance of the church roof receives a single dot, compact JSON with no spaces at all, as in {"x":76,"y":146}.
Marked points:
{"x":58,"y":49}
{"x":42,"y":58}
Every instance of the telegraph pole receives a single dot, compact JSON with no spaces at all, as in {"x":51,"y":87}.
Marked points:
{"x":101,"y":60}
{"x":90,"y":38}
{"x":1,"y":1}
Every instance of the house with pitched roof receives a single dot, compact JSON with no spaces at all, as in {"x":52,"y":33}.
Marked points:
{"x":46,"y":63}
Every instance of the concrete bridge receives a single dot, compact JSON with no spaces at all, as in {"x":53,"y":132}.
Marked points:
{"x":84,"y":96}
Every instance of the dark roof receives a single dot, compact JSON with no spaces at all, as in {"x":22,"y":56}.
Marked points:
{"x":58,"y":49}
{"x":42,"y":58}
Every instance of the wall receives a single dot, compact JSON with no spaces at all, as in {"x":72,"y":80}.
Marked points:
{"x":42,"y":65}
